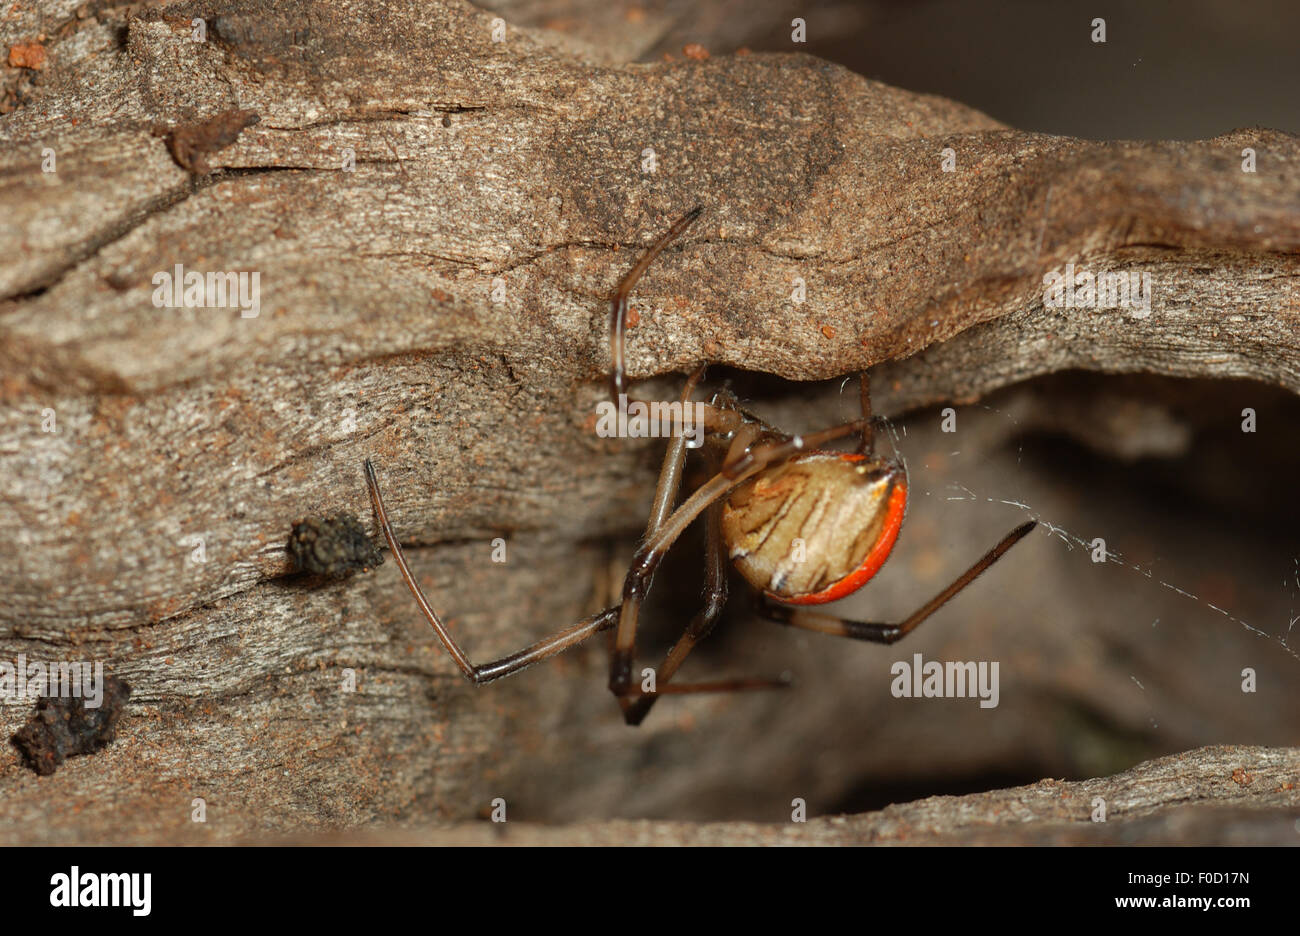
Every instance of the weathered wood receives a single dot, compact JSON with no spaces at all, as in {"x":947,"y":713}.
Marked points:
{"x":516,"y":168}
{"x":1210,"y":796}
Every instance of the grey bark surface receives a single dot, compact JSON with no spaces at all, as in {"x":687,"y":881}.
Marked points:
{"x":1201,"y":797}
{"x":442,"y":309}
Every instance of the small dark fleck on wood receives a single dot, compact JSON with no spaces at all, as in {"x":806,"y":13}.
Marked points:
{"x":64,"y":727}
{"x":336,"y":547}
{"x":192,"y":143}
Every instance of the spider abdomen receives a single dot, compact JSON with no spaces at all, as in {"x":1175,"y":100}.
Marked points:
{"x":815,"y":528}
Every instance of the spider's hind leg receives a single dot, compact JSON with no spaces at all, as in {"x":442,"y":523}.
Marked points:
{"x":875,"y":632}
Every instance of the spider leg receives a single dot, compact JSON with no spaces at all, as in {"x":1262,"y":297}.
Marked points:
{"x":618,"y":308}
{"x":635,"y":703}
{"x":559,"y":641}
{"x":639,"y":704}
{"x":670,"y":474}
{"x":670,"y":478}
{"x":486,"y":672}
{"x":890,"y":633}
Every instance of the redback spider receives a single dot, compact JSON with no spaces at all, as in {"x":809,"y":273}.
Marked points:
{"x":804,"y":526}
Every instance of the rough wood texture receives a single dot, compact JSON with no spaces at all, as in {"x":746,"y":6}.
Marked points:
{"x":1210,"y":796}
{"x":514,"y":169}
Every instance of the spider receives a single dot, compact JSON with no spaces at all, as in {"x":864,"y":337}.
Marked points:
{"x":804,"y":525}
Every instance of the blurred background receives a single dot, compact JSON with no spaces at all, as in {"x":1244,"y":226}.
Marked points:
{"x":1169,"y":69}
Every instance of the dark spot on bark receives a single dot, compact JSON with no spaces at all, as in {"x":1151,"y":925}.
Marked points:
{"x":336,"y":547}
{"x":192,"y":143}
{"x":64,"y":727}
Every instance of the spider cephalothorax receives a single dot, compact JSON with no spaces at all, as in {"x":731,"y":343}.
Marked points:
{"x":803,"y":524}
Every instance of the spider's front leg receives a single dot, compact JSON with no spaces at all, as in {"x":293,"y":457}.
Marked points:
{"x":618,"y":307}
{"x":485,"y":672}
